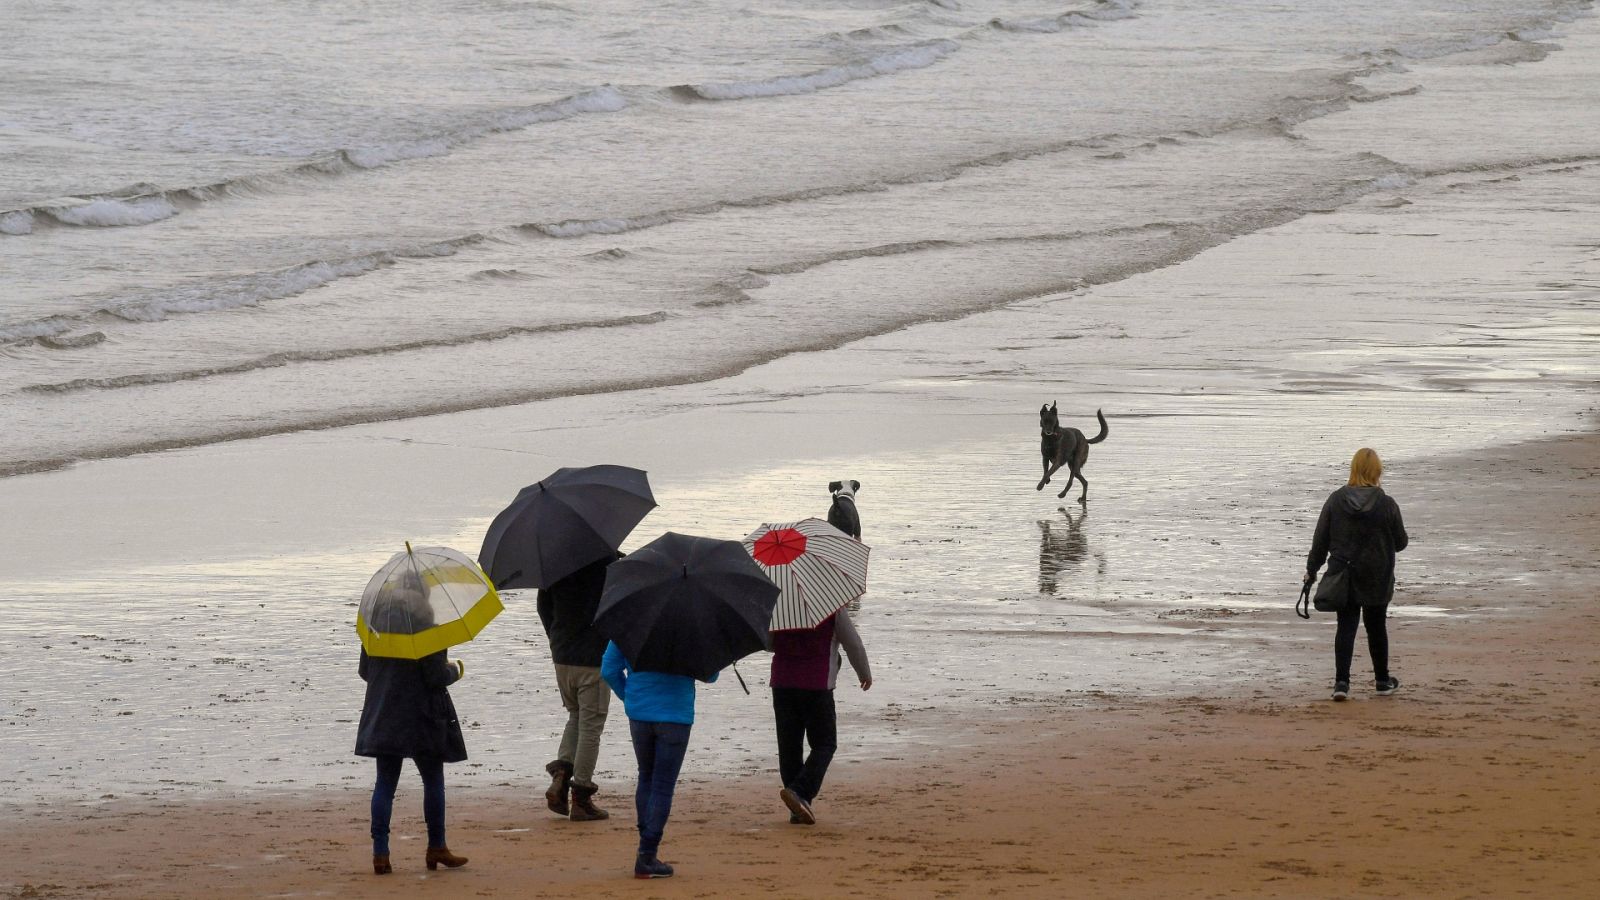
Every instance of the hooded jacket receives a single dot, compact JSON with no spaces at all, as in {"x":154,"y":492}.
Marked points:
{"x":1360,"y":529}
{"x":407,"y":711}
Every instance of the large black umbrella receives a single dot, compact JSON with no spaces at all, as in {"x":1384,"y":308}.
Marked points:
{"x":686,"y":605}
{"x":556,"y":527}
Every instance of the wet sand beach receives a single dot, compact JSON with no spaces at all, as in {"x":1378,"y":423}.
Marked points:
{"x":1476,"y":780}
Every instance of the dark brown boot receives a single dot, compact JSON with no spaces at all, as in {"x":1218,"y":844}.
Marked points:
{"x":441,"y":856}
{"x":583,"y":808}
{"x":380,"y":864}
{"x":560,"y":787}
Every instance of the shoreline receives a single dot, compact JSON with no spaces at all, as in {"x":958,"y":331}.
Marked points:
{"x":1477,"y":779}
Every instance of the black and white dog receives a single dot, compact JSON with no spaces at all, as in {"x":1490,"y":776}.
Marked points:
{"x":842,"y":514}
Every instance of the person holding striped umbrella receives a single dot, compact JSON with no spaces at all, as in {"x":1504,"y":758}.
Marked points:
{"x":819,"y":570}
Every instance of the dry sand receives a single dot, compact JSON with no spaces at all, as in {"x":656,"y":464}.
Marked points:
{"x":1477,"y":779}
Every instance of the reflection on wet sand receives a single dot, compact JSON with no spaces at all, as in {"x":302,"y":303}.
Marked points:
{"x":1062,"y":548}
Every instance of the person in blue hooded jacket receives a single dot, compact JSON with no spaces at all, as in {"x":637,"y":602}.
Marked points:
{"x":660,"y":710}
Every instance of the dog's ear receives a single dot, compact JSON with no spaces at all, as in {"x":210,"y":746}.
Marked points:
{"x":1052,"y":406}
{"x":833,"y":486}
{"x":855,"y":485}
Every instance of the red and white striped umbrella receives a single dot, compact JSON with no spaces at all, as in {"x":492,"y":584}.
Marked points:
{"x":817,"y":567}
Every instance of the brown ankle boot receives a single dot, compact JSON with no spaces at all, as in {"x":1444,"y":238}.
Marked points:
{"x":583,"y":808}
{"x":380,"y":864}
{"x":438,"y":856}
{"x":560,"y":787}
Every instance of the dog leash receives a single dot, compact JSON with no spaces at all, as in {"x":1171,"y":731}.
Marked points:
{"x":1302,"y":607}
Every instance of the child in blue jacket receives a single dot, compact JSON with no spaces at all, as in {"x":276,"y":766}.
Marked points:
{"x":660,"y":711}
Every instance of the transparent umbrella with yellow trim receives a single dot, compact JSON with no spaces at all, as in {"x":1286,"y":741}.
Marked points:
{"x":424,"y":600}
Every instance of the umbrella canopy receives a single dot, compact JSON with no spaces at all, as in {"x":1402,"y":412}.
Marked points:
{"x":561,"y":524}
{"x":424,"y":600}
{"x":818,"y":567}
{"x":686,"y":605}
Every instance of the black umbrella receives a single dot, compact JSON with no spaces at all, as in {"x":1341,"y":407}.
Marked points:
{"x":686,"y":605}
{"x":556,"y":527}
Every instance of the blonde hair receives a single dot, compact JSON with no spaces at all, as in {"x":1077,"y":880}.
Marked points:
{"x":1366,"y":469}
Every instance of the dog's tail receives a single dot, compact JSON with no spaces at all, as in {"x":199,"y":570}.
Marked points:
{"x":1104,"y":429}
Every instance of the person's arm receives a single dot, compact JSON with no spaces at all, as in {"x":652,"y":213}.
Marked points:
{"x":614,"y":669}
{"x":362,"y":668}
{"x":1398,"y":528}
{"x":854,"y":650}
{"x":1319,"y":541}
{"x":546,"y":605}
{"x":438,"y":671}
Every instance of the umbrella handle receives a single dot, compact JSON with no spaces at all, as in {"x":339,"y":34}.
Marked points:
{"x":741,"y":678}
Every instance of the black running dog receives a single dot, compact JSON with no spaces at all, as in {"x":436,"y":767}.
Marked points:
{"x":1066,"y":447}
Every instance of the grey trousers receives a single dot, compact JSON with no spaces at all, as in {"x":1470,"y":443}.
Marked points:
{"x":587,"y":699}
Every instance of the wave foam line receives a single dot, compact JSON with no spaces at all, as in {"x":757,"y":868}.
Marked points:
{"x":1104,"y":11}
{"x":142,"y":204}
{"x":898,"y":59}
{"x":256,"y":288}
{"x":229,"y":293}
{"x":290,"y":357}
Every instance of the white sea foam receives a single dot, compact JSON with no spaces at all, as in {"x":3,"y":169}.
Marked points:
{"x":18,"y":221}
{"x":581,"y":227}
{"x":107,"y":212}
{"x":255,"y":288}
{"x":899,"y":59}
{"x":1394,"y":181}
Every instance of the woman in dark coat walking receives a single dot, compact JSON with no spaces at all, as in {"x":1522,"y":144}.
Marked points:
{"x":1359,"y":532}
{"x":408,"y":714}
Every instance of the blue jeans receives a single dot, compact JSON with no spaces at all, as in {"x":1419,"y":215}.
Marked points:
{"x":432,"y":771}
{"x":659,"y":747}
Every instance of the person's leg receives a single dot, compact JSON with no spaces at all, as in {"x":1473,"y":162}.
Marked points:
{"x":594,"y":705}
{"x":822,"y":733}
{"x":567,"y":683}
{"x":383,"y":802}
{"x":789,"y":717}
{"x":671,"y":742}
{"x":1344,"y":642}
{"x":432,"y":772}
{"x":1376,"y":618}
{"x":644,"y":752}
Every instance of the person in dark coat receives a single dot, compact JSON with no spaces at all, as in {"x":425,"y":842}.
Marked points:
{"x":1359,"y":532}
{"x":408,"y":713}
{"x":567,"y":610}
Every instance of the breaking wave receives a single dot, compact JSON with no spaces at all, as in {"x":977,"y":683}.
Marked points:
{"x":143,"y":204}
{"x":229,"y":293}
{"x":289,"y":357}
{"x":888,"y":62}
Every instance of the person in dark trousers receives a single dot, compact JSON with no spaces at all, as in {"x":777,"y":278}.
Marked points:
{"x":805,"y":667}
{"x":567,"y":610}
{"x":408,"y":713}
{"x":1360,"y":531}
{"x":660,"y":710}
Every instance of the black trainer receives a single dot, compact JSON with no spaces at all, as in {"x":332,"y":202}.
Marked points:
{"x":650,"y":867}
{"x":1341,"y":690}
{"x":1388,"y":686}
